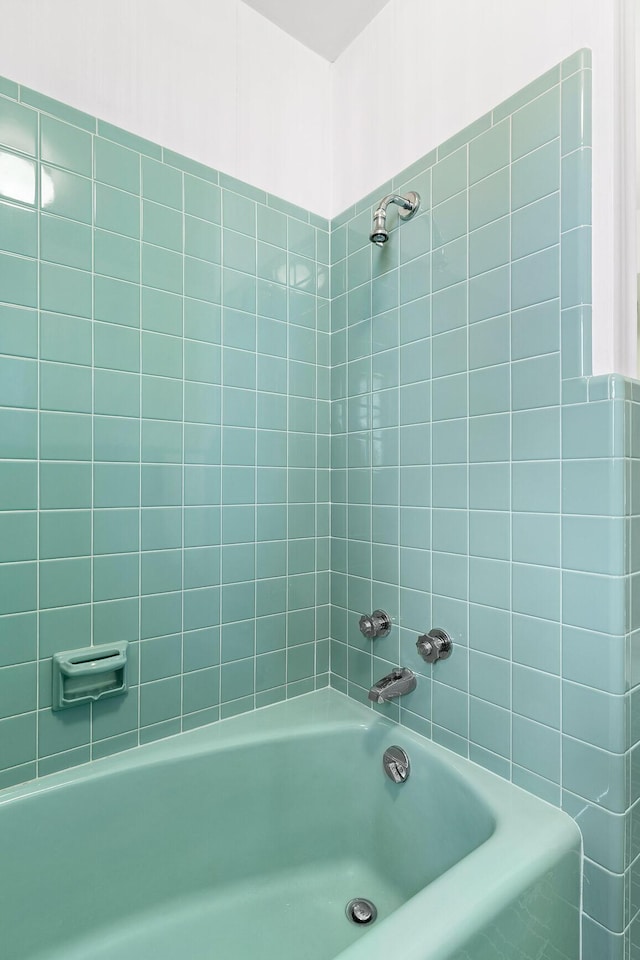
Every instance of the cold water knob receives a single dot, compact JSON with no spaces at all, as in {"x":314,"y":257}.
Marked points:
{"x":374,"y":625}
{"x":435,"y":645}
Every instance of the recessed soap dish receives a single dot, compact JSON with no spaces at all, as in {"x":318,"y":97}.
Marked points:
{"x":89,"y":674}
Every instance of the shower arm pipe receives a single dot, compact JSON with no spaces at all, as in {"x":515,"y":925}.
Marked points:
{"x":399,"y":202}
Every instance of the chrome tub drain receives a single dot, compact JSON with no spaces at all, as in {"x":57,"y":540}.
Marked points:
{"x":361,"y":911}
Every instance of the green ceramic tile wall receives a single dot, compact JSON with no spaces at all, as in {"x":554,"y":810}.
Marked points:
{"x":170,"y":339}
{"x":479,"y":474}
{"x":164,"y":435}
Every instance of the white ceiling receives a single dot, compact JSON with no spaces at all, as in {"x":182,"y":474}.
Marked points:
{"x":325,"y":26}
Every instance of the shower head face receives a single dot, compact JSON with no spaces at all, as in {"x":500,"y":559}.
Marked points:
{"x":379,"y":233}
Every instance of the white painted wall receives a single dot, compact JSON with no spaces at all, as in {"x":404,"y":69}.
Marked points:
{"x":208,"y":78}
{"x":421,"y":71}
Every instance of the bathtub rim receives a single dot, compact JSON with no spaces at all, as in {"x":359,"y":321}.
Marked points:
{"x":477,"y":881}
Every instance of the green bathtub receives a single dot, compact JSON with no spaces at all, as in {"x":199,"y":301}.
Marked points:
{"x":245,"y":840}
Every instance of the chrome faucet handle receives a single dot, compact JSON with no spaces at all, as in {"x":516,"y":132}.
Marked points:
{"x":374,"y":625}
{"x":435,"y":645}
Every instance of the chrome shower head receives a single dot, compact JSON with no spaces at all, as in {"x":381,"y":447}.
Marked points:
{"x":379,"y":233}
{"x":408,"y":206}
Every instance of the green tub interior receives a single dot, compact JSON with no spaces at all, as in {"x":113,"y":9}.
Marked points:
{"x":246,"y":840}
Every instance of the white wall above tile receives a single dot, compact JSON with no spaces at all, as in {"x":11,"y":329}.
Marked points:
{"x":215,"y":81}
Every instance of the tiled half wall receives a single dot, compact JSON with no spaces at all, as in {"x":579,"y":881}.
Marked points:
{"x":164,"y":435}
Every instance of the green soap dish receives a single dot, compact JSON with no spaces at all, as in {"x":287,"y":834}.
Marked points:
{"x":89,"y":674}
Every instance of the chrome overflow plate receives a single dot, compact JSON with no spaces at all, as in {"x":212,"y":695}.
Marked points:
{"x":375,"y":625}
{"x":395,"y":764}
{"x":435,"y":645}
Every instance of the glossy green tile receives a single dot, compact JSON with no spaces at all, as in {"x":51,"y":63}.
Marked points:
{"x":65,"y":436}
{"x":161,"y":441}
{"x":63,"y":290}
{"x":161,"y":485}
{"x":239,"y":213}
{"x":18,"y":739}
{"x":593,"y":774}
{"x":65,"y":146}
{"x":449,"y":267}
{"x":116,"y":394}
{"x":489,"y":199}
{"x":489,"y":535}
{"x":115,"y":531}
{"x":65,"y":387}
{"x":161,"y":355}
{"x":18,"y":332}
{"x":202,"y":239}
{"x":19,"y":126}
{"x":17,"y":689}
{"x":116,"y":165}
{"x":588,"y":431}
{"x":449,"y":175}
{"x":489,"y":295}
{"x":18,"y":382}
{"x":536,"y":434}
{"x":536,"y":123}
{"x":202,"y":199}
{"x":19,"y":181}
{"x":489,"y":152}
{"x":64,"y":582}
{"x":535,"y":226}
{"x":65,"y":242}
{"x":64,"y":534}
{"x":161,"y":183}
{"x":116,"y":439}
{"x":576,"y":189}
{"x":115,"y":576}
{"x":116,"y":348}
{"x":19,"y":484}
{"x":576,"y":271}
{"x":116,"y":301}
{"x":535,"y":176}
{"x":116,"y":485}
{"x":117,"y":211}
{"x":66,"y":194}
{"x":65,"y":338}
{"x":536,"y":278}
{"x":489,"y":247}
{"x":202,"y":281}
{"x":160,"y":700}
{"x":535,"y":330}
{"x":593,"y":601}
{"x":489,"y":390}
{"x":18,"y":230}
{"x":536,"y":382}
{"x":116,"y":256}
{"x":593,"y":544}
{"x":17,"y":536}
{"x":161,"y":398}
{"x":9,"y":89}
{"x":576,"y":111}
{"x":536,"y":538}
{"x":536,"y":487}
{"x":536,"y":747}
{"x":19,"y":280}
{"x":237,"y":679}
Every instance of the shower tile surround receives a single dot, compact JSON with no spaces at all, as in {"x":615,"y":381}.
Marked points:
{"x":177,"y":379}
{"x":484,"y":482}
{"x":164,"y":436}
